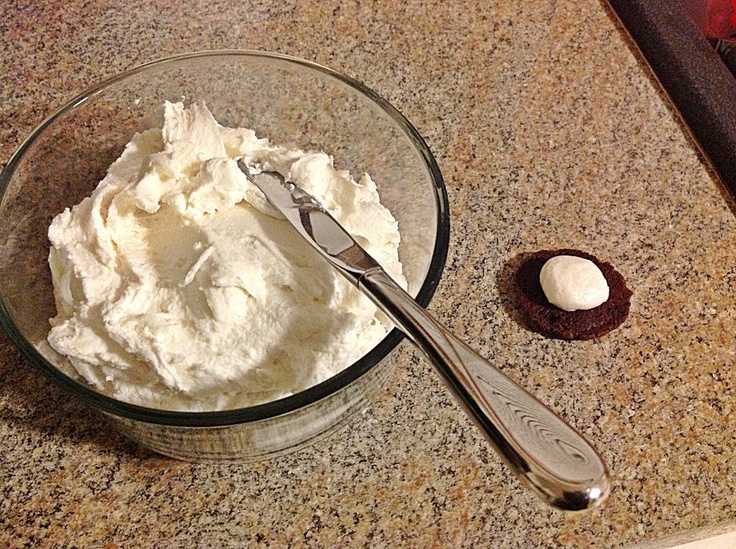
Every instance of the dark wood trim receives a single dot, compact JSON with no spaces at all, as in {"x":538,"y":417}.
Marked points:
{"x":692,"y":74}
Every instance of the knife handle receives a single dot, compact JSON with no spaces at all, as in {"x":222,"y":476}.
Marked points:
{"x":545,"y":451}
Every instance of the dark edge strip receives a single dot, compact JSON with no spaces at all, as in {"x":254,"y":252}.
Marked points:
{"x":692,"y":74}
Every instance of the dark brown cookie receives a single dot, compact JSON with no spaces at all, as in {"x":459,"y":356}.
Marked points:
{"x":552,"y":321}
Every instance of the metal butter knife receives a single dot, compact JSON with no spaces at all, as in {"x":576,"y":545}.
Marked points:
{"x":555,"y":460}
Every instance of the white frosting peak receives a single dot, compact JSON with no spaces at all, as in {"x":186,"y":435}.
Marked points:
{"x":179,"y":286}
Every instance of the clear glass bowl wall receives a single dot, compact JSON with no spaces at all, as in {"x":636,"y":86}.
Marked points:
{"x":288,"y":100}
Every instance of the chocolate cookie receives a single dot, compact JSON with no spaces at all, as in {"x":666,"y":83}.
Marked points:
{"x":552,"y":321}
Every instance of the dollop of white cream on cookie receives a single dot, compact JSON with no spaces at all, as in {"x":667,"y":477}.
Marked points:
{"x":573,"y":283}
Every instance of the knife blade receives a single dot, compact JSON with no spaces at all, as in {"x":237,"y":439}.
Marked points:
{"x":314,"y":223}
{"x":553,"y":459}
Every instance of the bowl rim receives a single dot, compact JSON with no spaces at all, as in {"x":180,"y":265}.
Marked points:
{"x":272,"y":409}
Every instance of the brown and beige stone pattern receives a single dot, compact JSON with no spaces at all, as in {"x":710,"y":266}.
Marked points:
{"x":550,"y":133}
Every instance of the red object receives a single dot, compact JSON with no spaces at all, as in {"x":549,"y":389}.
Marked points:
{"x":715,"y":18}
{"x":720,"y":19}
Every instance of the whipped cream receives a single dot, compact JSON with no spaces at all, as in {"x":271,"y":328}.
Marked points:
{"x":178,"y":286}
{"x":573,"y":283}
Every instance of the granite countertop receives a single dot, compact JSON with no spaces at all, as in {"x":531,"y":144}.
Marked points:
{"x":550,"y":132}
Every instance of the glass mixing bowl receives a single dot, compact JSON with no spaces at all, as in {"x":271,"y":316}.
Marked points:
{"x":291,"y":101}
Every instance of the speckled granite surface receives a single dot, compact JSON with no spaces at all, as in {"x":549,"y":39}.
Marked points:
{"x":550,"y":133}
